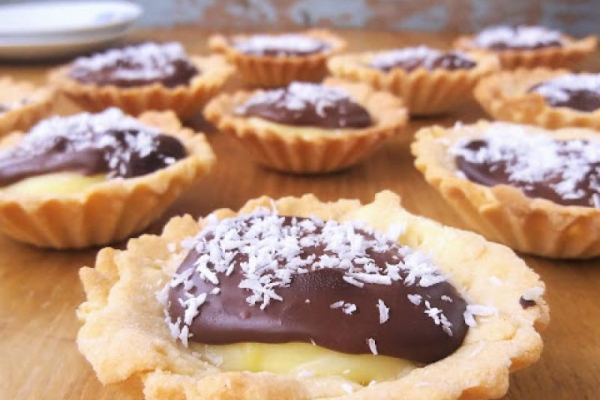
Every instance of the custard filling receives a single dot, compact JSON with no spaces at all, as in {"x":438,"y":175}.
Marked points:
{"x":60,"y":183}
{"x":304,"y":359}
{"x":304,"y":131}
{"x":303,"y":296}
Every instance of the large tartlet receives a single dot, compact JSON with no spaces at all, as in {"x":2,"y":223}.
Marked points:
{"x":555,"y":223}
{"x":64,"y":208}
{"x":534,"y":47}
{"x":183,"y":99}
{"x":126,"y":339}
{"x":426,"y":90}
{"x":303,"y":148}
{"x":509,"y":96}
{"x":267,"y":64}
{"x":22,"y":104}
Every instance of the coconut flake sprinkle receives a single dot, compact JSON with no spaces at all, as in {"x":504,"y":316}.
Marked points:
{"x":537,"y":157}
{"x":266,"y":242}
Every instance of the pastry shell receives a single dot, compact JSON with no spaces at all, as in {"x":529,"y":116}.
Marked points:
{"x":423,"y":91}
{"x":183,"y":100}
{"x":38,"y":106}
{"x":110,"y":211}
{"x":503,"y":213}
{"x":125,"y":338}
{"x":311,"y":150}
{"x":571,"y":53}
{"x":505,"y":97}
{"x":271,"y":71}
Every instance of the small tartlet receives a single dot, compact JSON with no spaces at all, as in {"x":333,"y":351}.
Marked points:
{"x":108,"y":211}
{"x":425,"y":92}
{"x":35,"y":103}
{"x":183,"y":100}
{"x":125,"y":338}
{"x":310,"y":150}
{"x":571,"y":53}
{"x":505,"y":96}
{"x":503,"y":213}
{"x":275,"y":71}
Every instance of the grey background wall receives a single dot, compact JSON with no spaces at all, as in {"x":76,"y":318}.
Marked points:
{"x":577,"y":17}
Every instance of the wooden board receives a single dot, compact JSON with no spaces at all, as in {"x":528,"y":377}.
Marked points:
{"x":40,"y":290}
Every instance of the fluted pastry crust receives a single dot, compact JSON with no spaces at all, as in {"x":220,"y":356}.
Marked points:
{"x":308,"y":149}
{"x":423,"y":91}
{"x":269,"y":71}
{"x":503,"y":213}
{"x":125,"y":338}
{"x":183,"y":100}
{"x":109,"y":211}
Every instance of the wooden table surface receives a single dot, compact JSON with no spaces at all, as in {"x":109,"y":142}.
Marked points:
{"x":40,"y":290}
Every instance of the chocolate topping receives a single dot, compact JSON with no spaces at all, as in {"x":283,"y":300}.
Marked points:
{"x":566,"y":172}
{"x":518,"y":38}
{"x":580,"y":92}
{"x":525,"y":304}
{"x":109,"y":142}
{"x":411,"y":58}
{"x":307,"y":104}
{"x":289,"y":45}
{"x":271,"y":279}
{"x":140,"y":65}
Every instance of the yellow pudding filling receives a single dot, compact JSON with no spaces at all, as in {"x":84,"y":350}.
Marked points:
{"x":59,"y":183}
{"x":306,"y":359}
{"x":306,"y":131}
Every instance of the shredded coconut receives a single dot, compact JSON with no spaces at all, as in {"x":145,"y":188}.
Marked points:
{"x":146,"y":61}
{"x":372,"y":346}
{"x":415,"y":299}
{"x":533,"y":294}
{"x":297,"y":96}
{"x":347,"y":388}
{"x":87,"y":131}
{"x":384,"y":312}
{"x":557,"y":89}
{"x":267,"y":241}
{"x":280,"y":45}
{"x":423,"y":54}
{"x":476,"y":310}
{"x":520,"y":36}
{"x":537,"y":157}
{"x":495,"y":281}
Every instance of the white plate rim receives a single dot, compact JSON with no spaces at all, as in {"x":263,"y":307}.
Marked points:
{"x":136,"y":9}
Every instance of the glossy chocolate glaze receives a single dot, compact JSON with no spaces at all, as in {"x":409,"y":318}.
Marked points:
{"x":305,"y":313}
{"x":110,"y":152}
{"x":136,"y":66}
{"x":495,"y":173}
{"x":578,"y":99}
{"x":525,"y":304}
{"x":429,"y":59}
{"x":304,"y":104}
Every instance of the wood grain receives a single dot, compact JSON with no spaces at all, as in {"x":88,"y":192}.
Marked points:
{"x":40,"y":290}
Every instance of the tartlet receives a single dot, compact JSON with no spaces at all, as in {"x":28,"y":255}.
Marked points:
{"x":509,"y":96}
{"x":281,"y":62}
{"x":304,"y":148}
{"x":22,"y":104}
{"x":183,"y":99}
{"x":65,"y":207}
{"x":556,"y":224}
{"x":126,"y":339}
{"x":426,"y":90}
{"x":533,"y":47}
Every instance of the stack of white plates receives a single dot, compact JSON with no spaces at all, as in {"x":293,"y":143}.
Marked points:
{"x":31,"y":31}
